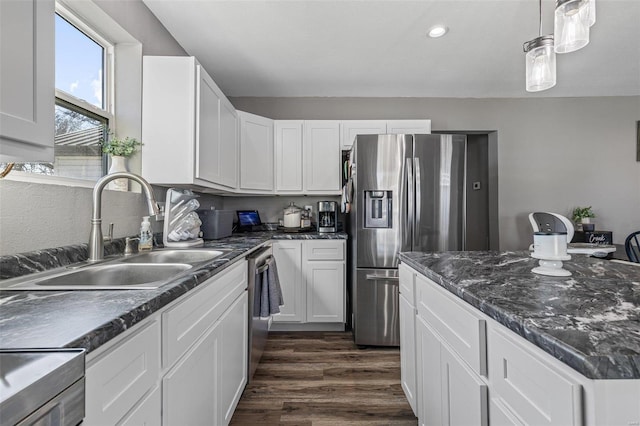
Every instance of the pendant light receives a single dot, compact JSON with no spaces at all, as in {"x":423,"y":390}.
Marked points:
{"x":591,"y":10}
{"x":571,"y":25}
{"x":540,"y":60}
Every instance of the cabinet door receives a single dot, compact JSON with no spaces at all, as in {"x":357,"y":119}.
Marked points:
{"x":147,"y":413}
{"x":322,"y":156}
{"x":208,"y":148}
{"x":399,"y":127}
{"x":190,"y":388}
{"x":408,"y":351}
{"x":288,"y":255}
{"x":256,"y":152}
{"x":352,"y":128}
{"x":464,"y":395}
{"x":118,"y":380}
{"x":429,"y":380}
{"x":288,"y":146}
{"x":534,"y":391}
{"x":27,"y":97}
{"x":234,"y":328}
{"x":325,"y":291}
{"x":228,"y":144}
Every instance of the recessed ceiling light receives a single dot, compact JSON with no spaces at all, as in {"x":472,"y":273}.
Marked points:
{"x":437,"y":31}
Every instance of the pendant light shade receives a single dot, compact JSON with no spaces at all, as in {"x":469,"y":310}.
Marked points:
{"x":571,"y":28}
{"x":540,"y":64}
{"x":591,"y":11}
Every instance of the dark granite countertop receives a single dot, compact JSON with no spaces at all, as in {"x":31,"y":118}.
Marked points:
{"x":590,"y":320}
{"x":88,"y":319}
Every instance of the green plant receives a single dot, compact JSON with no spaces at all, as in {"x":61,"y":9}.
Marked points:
{"x":117,"y":146}
{"x":580,"y":213}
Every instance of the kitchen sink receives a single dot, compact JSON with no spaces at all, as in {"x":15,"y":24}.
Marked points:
{"x":141,"y":271}
{"x":174,"y":256}
{"x":111,"y":276}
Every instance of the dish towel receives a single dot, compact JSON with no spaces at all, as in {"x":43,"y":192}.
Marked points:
{"x":270,"y":291}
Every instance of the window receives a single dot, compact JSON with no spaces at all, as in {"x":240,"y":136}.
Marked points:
{"x":83,"y":101}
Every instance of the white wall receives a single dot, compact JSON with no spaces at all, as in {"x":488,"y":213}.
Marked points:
{"x":553,"y":153}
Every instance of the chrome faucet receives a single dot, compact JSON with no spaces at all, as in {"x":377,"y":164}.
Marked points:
{"x":96,"y":241}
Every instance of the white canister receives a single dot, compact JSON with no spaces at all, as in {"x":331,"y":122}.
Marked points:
{"x":550,"y":244}
{"x":292,"y":215}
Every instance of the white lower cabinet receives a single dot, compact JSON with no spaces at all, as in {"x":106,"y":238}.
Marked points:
{"x":454,"y":343}
{"x":450,"y":393}
{"x":408,"y":338}
{"x":119,"y":378}
{"x":189,"y":389}
{"x":147,"y":413}
{"x":312,"y":277}
{"x":204,"y":361}
{"x":205,"y":385}
{"x":325,"y":291}
{"x":288,"y":255}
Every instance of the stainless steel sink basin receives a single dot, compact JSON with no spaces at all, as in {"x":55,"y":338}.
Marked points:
{"x":191,"y":256}
{"x":109,"y":276}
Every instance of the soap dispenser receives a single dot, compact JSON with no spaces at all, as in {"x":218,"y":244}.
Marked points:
{"x":146,"y":237}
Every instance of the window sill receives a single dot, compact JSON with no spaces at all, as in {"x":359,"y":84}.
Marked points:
{"x":48,"y":180}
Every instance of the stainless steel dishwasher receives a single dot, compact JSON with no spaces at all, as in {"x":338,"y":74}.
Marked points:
{"x":258,"y":327}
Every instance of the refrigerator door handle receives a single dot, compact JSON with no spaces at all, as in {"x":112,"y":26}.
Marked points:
{"x":418,"y":199}
{"x":374,"y":277}
{"x":410,"y":202}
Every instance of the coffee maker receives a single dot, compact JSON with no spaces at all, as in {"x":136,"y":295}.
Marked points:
{"x":327,"y":216}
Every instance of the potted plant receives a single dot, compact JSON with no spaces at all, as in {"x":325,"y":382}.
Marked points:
{"x":582,"y":216}
{"x":119,"y":150}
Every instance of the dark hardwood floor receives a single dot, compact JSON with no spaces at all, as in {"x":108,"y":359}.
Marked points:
{"x":322,"y":379}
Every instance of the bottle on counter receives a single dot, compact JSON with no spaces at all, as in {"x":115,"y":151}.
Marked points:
{"x":146,"y":237}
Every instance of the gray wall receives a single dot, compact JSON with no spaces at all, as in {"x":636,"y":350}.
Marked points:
{"x":553,"y":153}
{"x":143,"y":25}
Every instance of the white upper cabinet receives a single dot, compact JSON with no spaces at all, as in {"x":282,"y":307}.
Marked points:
{"x":189,"y":127}
{"x":307,"y":156}
{"x":256,"y":153}
{"x":352,"y":128}
{"x":322,"y":157}
{"x":27,"y":97}
{"x":399,"y":127}
{"x":288,"y":145}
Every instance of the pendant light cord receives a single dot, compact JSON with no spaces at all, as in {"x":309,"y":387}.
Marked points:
{"x":540,"y":18}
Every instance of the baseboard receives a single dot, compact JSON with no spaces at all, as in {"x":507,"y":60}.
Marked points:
{"x":325,"y":326}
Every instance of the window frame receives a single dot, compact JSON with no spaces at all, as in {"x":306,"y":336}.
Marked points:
{"x":90,"y":18}
{"x":67,"y":100}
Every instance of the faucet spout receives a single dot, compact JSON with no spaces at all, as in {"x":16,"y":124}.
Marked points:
{"x":96,"y":242}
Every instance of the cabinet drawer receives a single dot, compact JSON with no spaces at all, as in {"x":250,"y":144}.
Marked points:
{"x":116,"y":382}
{"x":533,"y":391}
{"x":183,"y":324}
{"x":324,"y":250}
{"x":458,"y":325}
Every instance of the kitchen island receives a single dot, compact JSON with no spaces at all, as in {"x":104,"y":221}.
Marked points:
{"x":538,"y":349}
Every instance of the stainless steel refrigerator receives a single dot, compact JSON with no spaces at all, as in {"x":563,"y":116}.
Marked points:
{"x":408,"y":195}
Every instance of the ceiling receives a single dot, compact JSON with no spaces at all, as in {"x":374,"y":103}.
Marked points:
{"x":373,"y":48}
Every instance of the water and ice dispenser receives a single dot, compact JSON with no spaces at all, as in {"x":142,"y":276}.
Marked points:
{"x":377,"y":209}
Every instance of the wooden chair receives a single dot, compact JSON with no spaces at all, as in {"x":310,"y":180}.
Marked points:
{"x":632,"y":246}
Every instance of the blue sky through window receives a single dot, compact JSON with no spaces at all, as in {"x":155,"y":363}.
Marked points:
{"x":79,"y":64}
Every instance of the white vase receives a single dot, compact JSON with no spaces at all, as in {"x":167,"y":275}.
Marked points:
{"x":118,"y":164}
